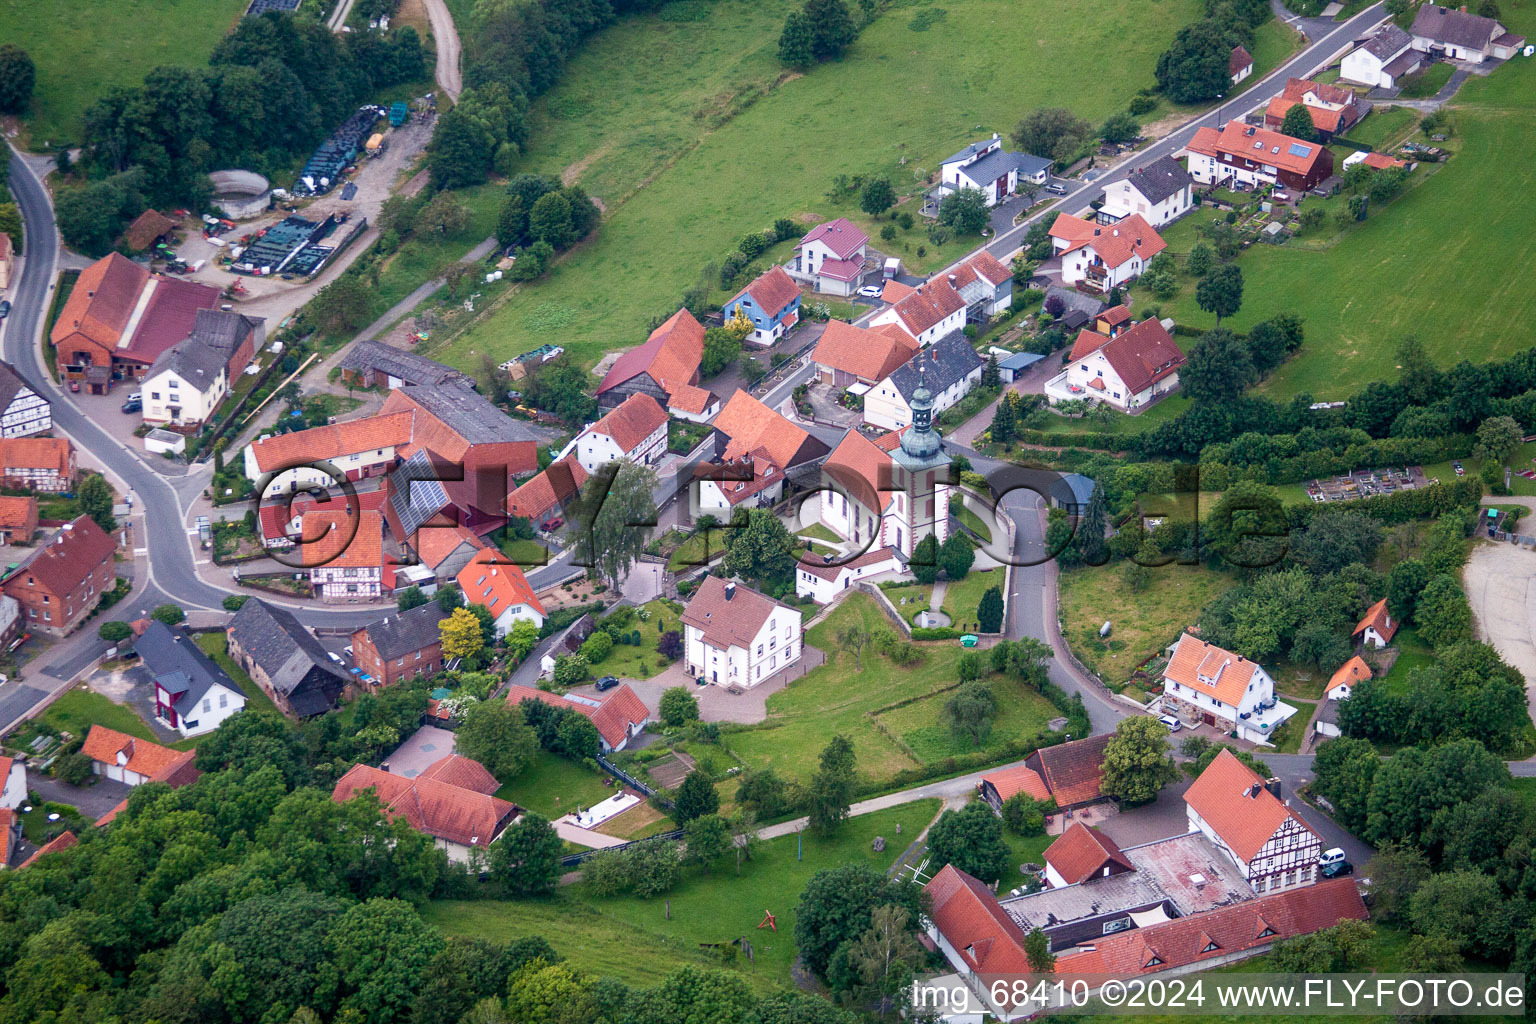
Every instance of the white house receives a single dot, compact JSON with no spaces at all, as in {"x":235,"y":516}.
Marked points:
{"x":25,"y":411}
{"x":831,"y":257}
{"x":1239,"y":64}
{"x":972,"y":291}
{"x":750,"y":481}
{"x":185,"y":384}
{"x":1205,"y":684}
{"x":193,"y":695}
{"x":490,"y":580}
{"x":1350,"y":674}
{"x":737,"y":636}
{"x":1238,"y":811}
{"x":1133,"y":368}
{"x":1377,"y":628}
{"x":1382,"y":60}
{"x":634,"y":431}
{"x":991,"y":170}
{"x":823,"y":582}
{"x":357,"y":448}
{"x":1460,"y":35}
{"x":13,"y":783}
{"x":132,"y":761}
{"x":949,"y":370}
{"x":1104,"y":256}
{"x":1159,"y":193}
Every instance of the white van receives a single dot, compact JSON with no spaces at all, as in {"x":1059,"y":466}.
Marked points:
{"x":1173,"y":724}
{"x":1333,"y":856}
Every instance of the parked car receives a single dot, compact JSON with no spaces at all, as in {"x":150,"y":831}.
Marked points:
{"x":869,"y":291}
{"x":1333,"y":864}
{"x":1056,"y":189}
{"x":554,"y":524}
{"x":1172,"y":723}
{"x":5,"y":308}
{"x":133,"y":405}
{"x":136,"y":396}
{"x":607,"y":683}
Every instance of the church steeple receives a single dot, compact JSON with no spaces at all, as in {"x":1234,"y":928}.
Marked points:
{"x":920,"y":442}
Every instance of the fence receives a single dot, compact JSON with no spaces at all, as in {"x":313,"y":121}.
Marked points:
{"x":575,"y":859}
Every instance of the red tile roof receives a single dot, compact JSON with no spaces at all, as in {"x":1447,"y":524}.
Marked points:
{"x":302,"y":447}
{"x":457,"y":770}
{"x":435,"y":543}
{"x":1251,"y":925}
{"x":1141,"y":355}
{"x":275,"y":517}
{"x":1211,"y":670}
{"x":632,"y":421}
{"x":16,"y":513}
{"x":612,"y":723}
{"x":1232,"y":800}
{"x":970,"y":918}
{"x":559,"y":483}
{"x":1381,"y":162}
{"x":102,"y":301}
{"x":70,"y":556}
{"x":7,"y":835}
{"x":63,"y":841}
{"x":753,"y":427}
{"x":1114,"y":243}
{"x":840,"y":270}
{"x":489,"y":579}
{"x":870,"y":355}
{"x":142,"y":757}
{"x":831,"y":571}
{"x":169,"y":317}
{"x":438,"y":808}
{"x":728,"y":618}
{"x":329,"y":540}
{"x":1073,"y":770}
{"x":1017,"y":778}
{"x":760,"y":474}
{"x":671,"y":355}
{"x":928,"y":305}
{"x":1081,"y":852}
{"x":863,"y":469}
{"x":691,"y":399}
{"x":773,"y":290}
{"x":1353,"y":671}
{"x":840,"y":236}
{"x":147,"y":227}
{"x":1239,"y":60}
{"x":894,"y":291}
{"x":1378,"y":618}
{"x":1258,"y":144}
{"x":50,"y":454}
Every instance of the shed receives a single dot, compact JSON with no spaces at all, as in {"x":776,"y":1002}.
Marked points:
{"x":1013,"y":367}
{"x":1071,"y":492}
{"x":162,"y":441}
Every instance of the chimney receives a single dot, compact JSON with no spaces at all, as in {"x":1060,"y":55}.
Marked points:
{"x":1254,"y":790}
{"x":952,"y":280}
{"x":730,"y":591}
{"x":1273,"y":785}
{"x":1138,"y":240}
{"x":1097,"y":231}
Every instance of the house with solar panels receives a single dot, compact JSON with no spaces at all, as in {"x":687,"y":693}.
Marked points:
{"x":1245,"y":154}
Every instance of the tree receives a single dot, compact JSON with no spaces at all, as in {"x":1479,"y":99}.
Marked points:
{"x":381,"y":949}
{"x":449,"y":598}
{"x":542,"y":993}
{"x":114,"y":631}
{"x":1136,"y":761}
{"x":570,"y":670}
{"x":526,"y":859}
{"x":1497,"y":439}
{"x":1052,"y":132}
{"x":1023,"y":815}
{"x":18,"y":76}
{"x":1037,"y":950}
{"x":970,"y":710}
{"x":707,"y":838}
{"x":886,"y":956}
{"x":1345,"y":769}
{"x":1201,"y":259}
{"x":721,"y":348}
{"x":1194,"y":68}
{"x":611,"y":516}
{"x":837,"y":905}
{"x":925,"y":560}
{"x":577,"y":737}
{"x":561,"y":387}
{"x":797,"y":42}
{"x":1404,"y":584}
{"x":410,"y":597}
{"x":972,"y":840}
{"x":95,"y":497}
{"x":1218,"y":369}
{"x":252,"y":740}
{"x":1298,"y":123}
{"x":670,"y":645}
{"x":759,"y":547}
{"x":495,"y":734}
{"x":461,"y":150}
{"x":342,"y":306}
{"x":550,"y":220}
{"x":989,"y":613}
{"x":1120,"y":128}
{"x":1442,"y":612}
{"x":445,"y":213}
{"x":512,"y":221}
{"x":170,"y":614}
{"x":460,"y":634}
{"x":831,"y":791}
{"x":956,"y":556}
{"x":877,"y":196}
{"x":965,"y":210}
{"x":853,"y":638}
{"x":1221,"y":291}
{"x":1396,"y":872}
{"x":1089,"y":538}
{"x":832,"y":28}
{"x":678,"y":706}
{"x":991,"y":376}
{"x":695,"y":798}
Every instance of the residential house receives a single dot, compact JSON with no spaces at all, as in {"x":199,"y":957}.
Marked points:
{"x":1460,"y":35}
{"x":18,"y":519}
{"x":618,"y":715}
{"x":823,"y":581}
{"x":948,"y":370}
{"x":997,"y":787}
{"x":1159,"y":193}
{"x":831,"y":257}
{"x":186,"y":382}
{"x":1076,"y":309}
{"x":1349,"y":675}
{"x":358,"y":449}
{"x":281,"y":522}
{"x":544,"y":497}
{"x":1104,"y":256}
{"x":344,"y":555}
{"x":633,"y":431}
{"x":13,"y":782}
{"x":1246,"y":819}
{"x":1245,"y":154}
{"x":1383,"y":60}
{"x":1132,"y":369}
{"x":748,"y":481}
{"x":133,"y":762}
{"x":1071,"y":493}
{"x":1377,"y":628}
{"x":694,"y":404}
{"x":892,"y":492}
{"x":7,"y":260}
{"x":452,"y":803}
{"x":735,"y":636}
{"x":490,"y":580}
{"x":857,"y":358}
{"x":119,"y":318}
{"x":1072,"y":772}
{"x":429,"y":491}
{"x":193,"y":695}
{"x":38,"y":463}
{"x":23,"y":411}
{"x":446,"y":549}
{"x":991,"y":170}
{"x":1333,"y":108}
{"x":771,"y":302}
{"x":1203,"y":683}
{"x":972,"y":292}
{"x":1326,"y":723}
{"x":62,"y":581}
{"x":400,"y":646}
{"x":10,"y":837}
{"x":667,"y":363}
{"x":63,"y":841}
{"x":367,"y":364}
{"x":461,"y":425}
{"x":1239,"y":64}
{"x":1081,"y":853}
{"x":747,"y":427}
{"x":283,"y":658}
{"x":567,"y":641}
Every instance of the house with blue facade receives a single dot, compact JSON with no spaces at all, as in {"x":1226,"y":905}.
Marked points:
{"x":772,"y":303}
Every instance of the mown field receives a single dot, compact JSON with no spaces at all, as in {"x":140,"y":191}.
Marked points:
{"x":83,"y":50}
{"x":691,"y":134}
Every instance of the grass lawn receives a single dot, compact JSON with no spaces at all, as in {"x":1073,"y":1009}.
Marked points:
{"x":1024,"y":850}
{"x":721,"y":906}
{"x":1287,"y":739}
{"x":1021,"y":713}
{"x":1385,"y":126}
{"x":839,"y":697}
{"x":1436,"y":233}
{"x":629,"y":662}
{"x":1426,"y":83}
{"x":216,"y":646}
{"x":1143,"y":624}
{"x":970,"y":519}
{"x":818,"y":531}
{"x":696,"y":550}
{"x":651,"y":116}
{"x":554,"y":785}
{"x":1412,"y":653}
{"x":82,"y":51}
{"x":961,"y":599}
{"x":918,"y":596}
{"x":36,"y":826}
{"x":79,"y":709}
{"x":525,"y":552}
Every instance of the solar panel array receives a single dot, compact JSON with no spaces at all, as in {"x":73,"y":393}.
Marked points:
{"x":416,"y":492}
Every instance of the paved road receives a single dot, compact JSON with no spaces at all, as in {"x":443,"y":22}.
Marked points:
{"x":446,"y":38}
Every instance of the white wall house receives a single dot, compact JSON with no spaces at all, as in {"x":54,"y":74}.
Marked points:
{"x":1159,"y":193}
{"x":488,"y":579}
{"x":1382,"y":59}
{"x":26,"y":412}
{"x":357,"y":448}
{"x":737,"y":636}
{"x":1268,"y":843}
{"x":822,"y":583}
{"x":831,"y":257}
{"x":635,"y":431}
{"x":879,"y":498}
{"x":175,"y":396}
{"x":13,"y":783}
{"x":991,"y":170}
{"x":1205,"y":684}
{"x":201,"y":713}
{"x":1461,"y":35}
{"x":1133,"y":369}
{"x":1103,"y":256}
{"x":951,"y":369}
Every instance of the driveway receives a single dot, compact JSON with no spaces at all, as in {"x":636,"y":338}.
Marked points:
{"x":133,"y":687}
{"x":425,"y":746}
{"x":1500,"y":580}
{"x":716,"y":703}
{"x":91,"y":801}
